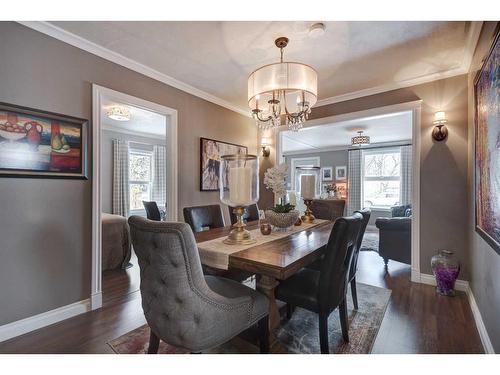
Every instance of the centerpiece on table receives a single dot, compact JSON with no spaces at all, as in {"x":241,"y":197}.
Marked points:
{"x":332,"y":190}
{"x":283,"y":215}
{"x":239,"y":188}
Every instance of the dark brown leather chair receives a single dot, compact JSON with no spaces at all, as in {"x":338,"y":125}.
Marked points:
{"x":328,"y":209}
{"x":201,"y":218}
{"x":152,"y":211}
{"x":394,"y":239}
{"x":251,"y":214}
{"x":366,"y":213}
{"x":325,"y":290}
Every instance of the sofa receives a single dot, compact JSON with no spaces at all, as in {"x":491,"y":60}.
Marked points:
{"x":395,"y":235}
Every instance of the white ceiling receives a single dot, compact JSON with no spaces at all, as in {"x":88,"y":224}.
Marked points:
{"x":214,"y":59}
{"x":394,"y":127}
{"x":141,"y":121}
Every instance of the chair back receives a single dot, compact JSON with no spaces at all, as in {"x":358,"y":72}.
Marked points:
{"x":328,"y":209}
{"x":152,"y":211}
{"x":366,"y":213}
{"x":171,"y":275}
{"x":251,"y":213}
{"x":335,"y":267}
{"x":201,"y":218}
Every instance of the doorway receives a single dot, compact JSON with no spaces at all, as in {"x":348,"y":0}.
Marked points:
{"x":134,"y":160}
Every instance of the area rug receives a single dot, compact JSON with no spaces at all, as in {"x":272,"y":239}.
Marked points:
{"x":298,"y":335}
{"x":370,"y":241}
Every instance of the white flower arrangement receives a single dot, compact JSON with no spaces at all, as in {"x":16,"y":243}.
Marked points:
{"x":274,"y":179}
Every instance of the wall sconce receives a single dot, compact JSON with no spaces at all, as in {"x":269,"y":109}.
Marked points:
{"x":440,"y":132}
{"x":265,"y":147}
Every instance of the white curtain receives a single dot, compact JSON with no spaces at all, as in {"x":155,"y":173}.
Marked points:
{"x":159,"y":189}
{"x":406,"y":174}
{"x":354,"y":181}
{"x":121,"y":202}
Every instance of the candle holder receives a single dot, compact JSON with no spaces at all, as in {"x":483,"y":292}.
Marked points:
{"x":308,"y":216}
{"x":239,"y":188}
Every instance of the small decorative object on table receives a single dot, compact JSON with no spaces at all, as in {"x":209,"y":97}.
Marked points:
{"x":445,"y":268}
{"x":332,"y":190}
{"x":265,"y":228}
{"x":239,"y":188}
{"x":282,"y":216}
{"x":309,"y":188}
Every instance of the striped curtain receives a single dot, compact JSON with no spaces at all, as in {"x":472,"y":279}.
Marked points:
{"x":406,"y":174}
{"x":159,"y":189}
{"x":354,"y":181}
{"x":121,"y":200}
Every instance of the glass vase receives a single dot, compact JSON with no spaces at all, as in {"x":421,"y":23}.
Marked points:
{"x":445,"y":268}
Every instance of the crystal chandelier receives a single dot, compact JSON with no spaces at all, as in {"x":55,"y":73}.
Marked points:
{"x":282,"y":93}
{"x":360,"y":139}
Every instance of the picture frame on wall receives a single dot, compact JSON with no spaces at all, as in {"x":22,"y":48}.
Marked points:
{"x":41,"y":144}
{"x":341,"y":173}
{"x":211,"y":151}
{"x":327,"y":173}
{"x":487,"y":147}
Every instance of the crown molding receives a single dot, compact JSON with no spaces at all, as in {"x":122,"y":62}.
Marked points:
{"x":469,"y":48}
{"x":95,"y":49}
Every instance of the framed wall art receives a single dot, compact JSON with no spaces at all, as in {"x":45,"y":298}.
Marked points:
{"x":487,"y":147}
{"x":211,"y":151}
{"x":35,"y":143}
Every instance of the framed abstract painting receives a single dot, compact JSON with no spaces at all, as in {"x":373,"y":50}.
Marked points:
{"x":210,"y":153}
{"x":36,"y":143}
{"x":487,"y":147}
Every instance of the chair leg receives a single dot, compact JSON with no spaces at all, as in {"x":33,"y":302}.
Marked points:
{"x":323,"y":333}
{"x":154,"y":343}
{"x":354,"y":293}
{"x":289,"y":311}
{"x":263,"y":326}
{"x":343,"y":320}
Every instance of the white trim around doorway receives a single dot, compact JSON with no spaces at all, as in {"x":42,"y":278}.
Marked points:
{"x":98,"y":94}
{"x":415,"y":108}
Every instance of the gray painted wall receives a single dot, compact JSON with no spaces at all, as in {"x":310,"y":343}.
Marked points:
{"x":484,"y":261}
{"x":45,"y":224}
{"x":138,"y":142}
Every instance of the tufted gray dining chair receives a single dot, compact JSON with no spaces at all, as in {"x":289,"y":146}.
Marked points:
{"x":183,"y":307}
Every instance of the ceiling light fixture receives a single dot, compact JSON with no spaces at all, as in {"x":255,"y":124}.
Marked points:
{"x":282,"y":93}
{"x":119,"y":113}
{"x":316,"y":30}
{"x":360,"y":139}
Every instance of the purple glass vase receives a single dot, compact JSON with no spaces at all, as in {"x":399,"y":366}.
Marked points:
{"x":445,"y":268}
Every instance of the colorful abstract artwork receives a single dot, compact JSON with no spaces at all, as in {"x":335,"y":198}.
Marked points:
{"x":487,"y":150}
{"x":211,"y":152}
{"x":41,"y":144}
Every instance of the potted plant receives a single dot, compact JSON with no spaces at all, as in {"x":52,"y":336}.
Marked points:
{"x":332,"y":190}
{"x":282,"y":215}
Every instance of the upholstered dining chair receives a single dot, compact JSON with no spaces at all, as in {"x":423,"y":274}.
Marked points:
{"x":366,"y":213}
{"x":183,"y":307}
{"x":251,"y":214}
{"x":325,"y":290}
{"x":152,"y":210}
{"x":201,"y":218}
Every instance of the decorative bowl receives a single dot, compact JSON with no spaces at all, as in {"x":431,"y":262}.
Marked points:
{"x":282,"y":220}
{"x":12,"y":136}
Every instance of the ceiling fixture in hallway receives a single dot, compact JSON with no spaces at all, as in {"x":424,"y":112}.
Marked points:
{"x":360,"y":139}
{"x":119,"y":113}
{"x":282,"y":93}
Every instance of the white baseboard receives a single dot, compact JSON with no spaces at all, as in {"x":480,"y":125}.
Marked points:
{"x":464,"y":286}
{"x":32,"y":323}
{"x":96,"y":301}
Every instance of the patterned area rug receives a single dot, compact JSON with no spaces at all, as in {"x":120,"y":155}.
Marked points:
{"x":370,"y":241}
{"x":298,"y":335}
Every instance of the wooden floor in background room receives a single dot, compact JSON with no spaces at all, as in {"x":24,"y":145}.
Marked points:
{"x":416,"y":321}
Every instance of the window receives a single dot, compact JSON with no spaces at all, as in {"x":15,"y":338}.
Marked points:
{"x":381,"y":178}
{"x":140,"y":178}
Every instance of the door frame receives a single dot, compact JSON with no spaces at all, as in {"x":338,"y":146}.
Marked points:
{"x":100,"y":93}
{"x":415,"y":107}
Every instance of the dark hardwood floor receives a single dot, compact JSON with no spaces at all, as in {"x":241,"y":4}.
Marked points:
{"x":416,"y":321}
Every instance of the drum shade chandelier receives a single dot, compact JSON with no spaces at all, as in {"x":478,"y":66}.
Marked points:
{"x":360,"y":139}
{"x":282,"y":93}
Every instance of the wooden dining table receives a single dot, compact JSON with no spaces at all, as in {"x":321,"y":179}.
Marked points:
{"x":275,"y":260}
